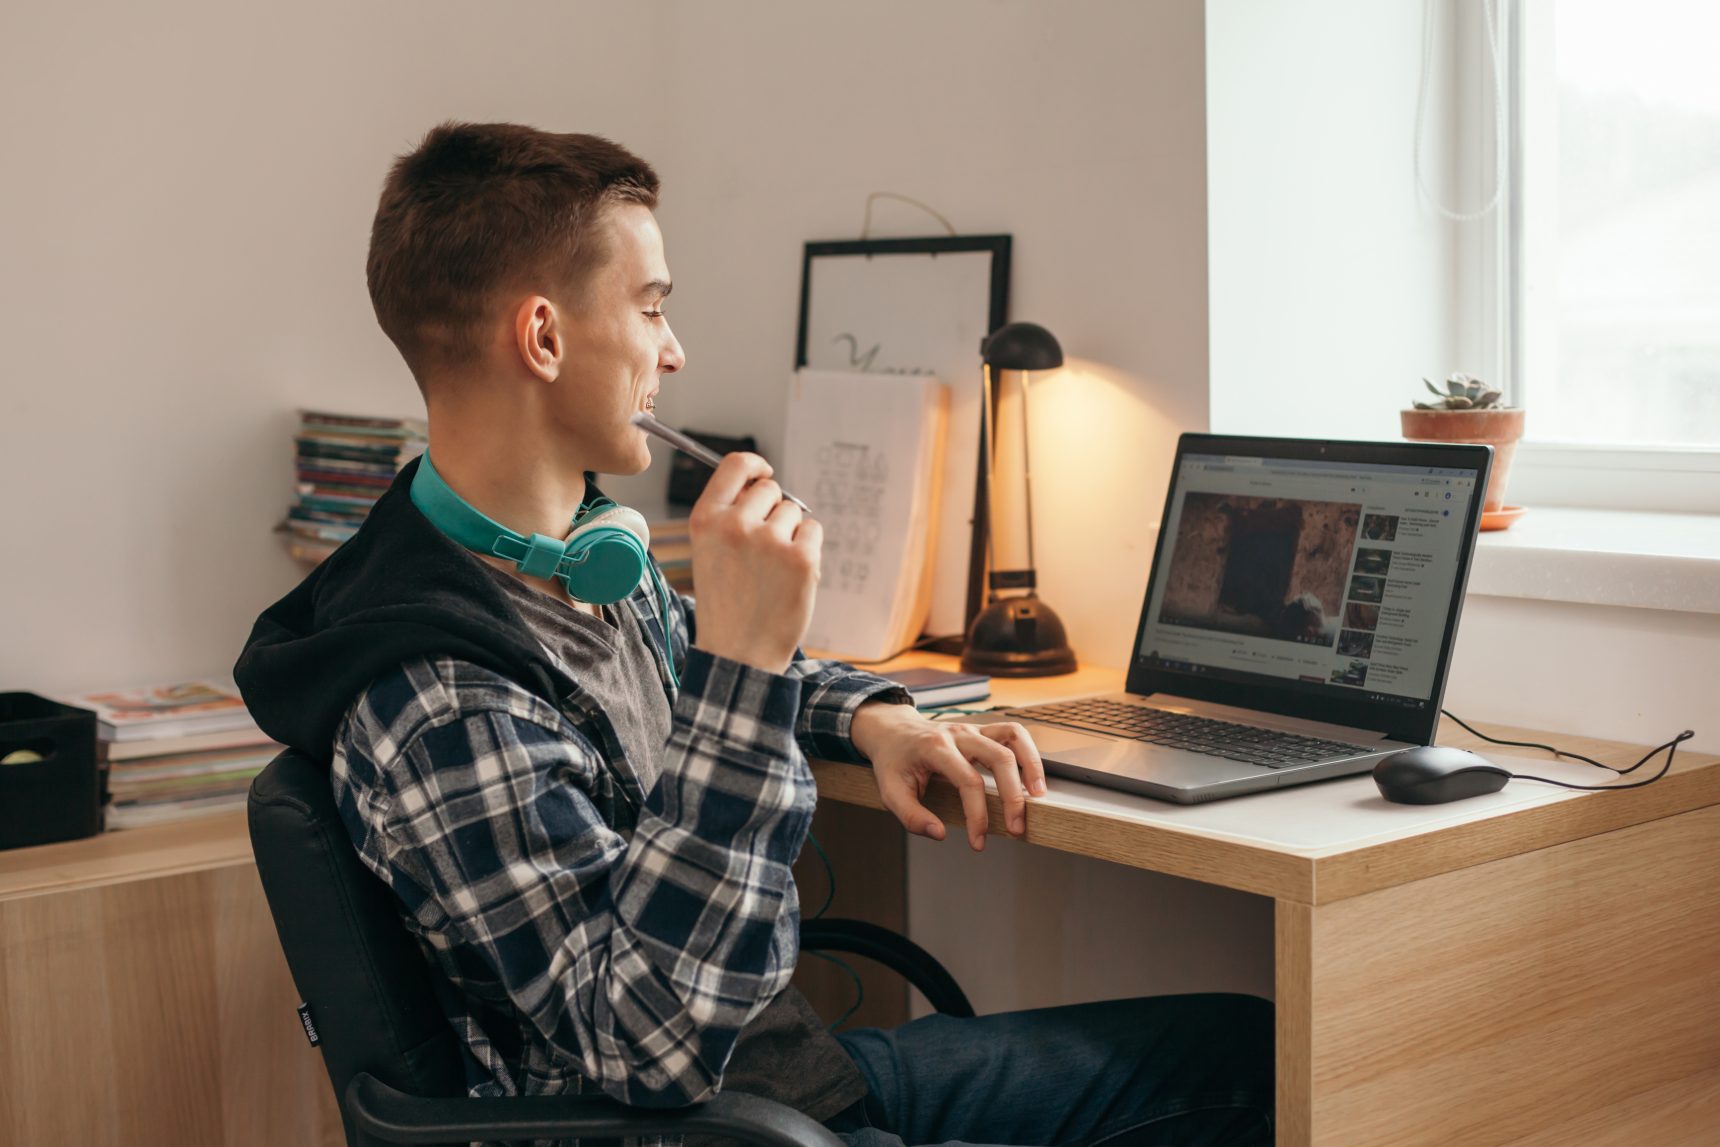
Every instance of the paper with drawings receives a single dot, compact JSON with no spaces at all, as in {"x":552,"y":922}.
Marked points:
{"x":866,"y":451}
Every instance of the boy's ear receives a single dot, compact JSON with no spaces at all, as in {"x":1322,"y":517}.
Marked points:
{"x":538,"y":337}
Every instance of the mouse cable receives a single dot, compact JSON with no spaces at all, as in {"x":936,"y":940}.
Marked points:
{"x":1555,"y":751}
{"x":829,"y":876}
{"x":859,"y":987}
{"x":1671,"y":747}
{"x":829,"y":895}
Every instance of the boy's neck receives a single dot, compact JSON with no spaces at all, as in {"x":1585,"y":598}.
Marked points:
{"x":524,"y":486}
{"x":527,"y":487}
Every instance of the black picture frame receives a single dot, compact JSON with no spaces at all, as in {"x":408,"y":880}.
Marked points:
{"x":997,"y":314}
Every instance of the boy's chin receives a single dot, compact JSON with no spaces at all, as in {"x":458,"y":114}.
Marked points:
{"x":629,"y":464}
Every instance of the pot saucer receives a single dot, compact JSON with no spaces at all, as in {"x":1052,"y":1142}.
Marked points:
{"x":1501,"y":518}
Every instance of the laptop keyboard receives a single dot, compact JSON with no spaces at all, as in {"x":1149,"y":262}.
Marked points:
{"x":1200,"y":734}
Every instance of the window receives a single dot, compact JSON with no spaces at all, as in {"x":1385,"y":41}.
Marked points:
{"x":1615,"y":331}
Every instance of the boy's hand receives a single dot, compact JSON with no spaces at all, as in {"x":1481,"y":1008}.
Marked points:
{"x":907,"y":750}
{"x":755,"y":563}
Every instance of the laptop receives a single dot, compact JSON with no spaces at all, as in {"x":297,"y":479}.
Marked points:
{"x":1298,"y":624}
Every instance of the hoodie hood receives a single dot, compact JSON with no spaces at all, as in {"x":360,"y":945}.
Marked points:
{"x":398,"y":589}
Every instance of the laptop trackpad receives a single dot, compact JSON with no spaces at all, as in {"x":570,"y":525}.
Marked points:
{"x":1047,"y":738}
{"x":1055,"y":739}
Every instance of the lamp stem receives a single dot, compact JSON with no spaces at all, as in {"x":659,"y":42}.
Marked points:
{"x":989,"y":426}
{"x":1027,"y":474}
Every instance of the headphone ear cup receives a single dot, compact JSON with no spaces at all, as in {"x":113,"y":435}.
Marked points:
{"x":617,"y":517}
{"x":613,"y":547}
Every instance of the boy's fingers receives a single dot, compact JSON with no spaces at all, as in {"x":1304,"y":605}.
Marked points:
{"x":1019,"y":741}
{"x":948,"y":762}
{"x":1000,"y":763}
{"x":759,"y":500}
{"x":784,"y":518}
{"x":809,"y":536}
{"x":730,"y":478}
{"x":903,"y":802}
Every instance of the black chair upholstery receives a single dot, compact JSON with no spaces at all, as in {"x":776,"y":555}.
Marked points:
{"x":392,"y":1058}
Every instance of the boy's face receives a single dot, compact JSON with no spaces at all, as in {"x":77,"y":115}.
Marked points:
{"x":617,"y":345}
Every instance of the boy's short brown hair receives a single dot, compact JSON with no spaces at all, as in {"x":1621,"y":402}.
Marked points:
{"x":478,"y":208}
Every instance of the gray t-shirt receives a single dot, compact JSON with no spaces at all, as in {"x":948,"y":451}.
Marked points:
{"x":786,"y":1053}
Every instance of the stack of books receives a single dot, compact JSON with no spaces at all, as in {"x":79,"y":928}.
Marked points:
{"x":344,"y":463}
{"x":672,"y":546}
{"x":174,"y":751}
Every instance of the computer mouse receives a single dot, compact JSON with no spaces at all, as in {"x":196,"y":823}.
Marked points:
{"x":1432,"y":774}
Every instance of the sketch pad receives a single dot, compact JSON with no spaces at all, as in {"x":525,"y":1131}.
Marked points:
{"x":866,"y":450}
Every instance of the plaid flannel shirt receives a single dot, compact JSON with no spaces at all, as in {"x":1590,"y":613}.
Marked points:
{"x":593,"y":933}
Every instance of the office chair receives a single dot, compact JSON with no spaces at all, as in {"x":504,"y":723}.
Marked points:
{"x":394,"y":1061}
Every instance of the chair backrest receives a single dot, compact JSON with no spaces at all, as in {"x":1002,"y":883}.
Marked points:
{"x":366,"y":984}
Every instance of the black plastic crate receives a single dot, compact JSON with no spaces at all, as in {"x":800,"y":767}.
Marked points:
{"x":60,"y":796}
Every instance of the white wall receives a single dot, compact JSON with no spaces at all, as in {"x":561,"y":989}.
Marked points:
{"x":1076,"y":127}
{"x":189,"y":187}
{"x":187,"y":195}
{"x":1332,"y":286}
{"x":1625,"y":674}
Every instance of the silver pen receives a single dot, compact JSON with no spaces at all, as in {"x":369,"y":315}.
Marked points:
{"x":692,"y":447}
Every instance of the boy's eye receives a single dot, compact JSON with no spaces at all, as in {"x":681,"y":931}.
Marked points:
{"x":654,"y":314}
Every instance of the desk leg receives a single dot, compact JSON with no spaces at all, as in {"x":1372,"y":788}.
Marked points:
{"x":1294,"y":996}
{"x":1563,"y":996}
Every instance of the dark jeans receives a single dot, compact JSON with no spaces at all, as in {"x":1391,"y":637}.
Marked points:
{"x":1165,"y":1071}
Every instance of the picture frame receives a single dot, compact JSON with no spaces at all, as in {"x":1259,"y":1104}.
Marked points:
{"x":919,"y":306}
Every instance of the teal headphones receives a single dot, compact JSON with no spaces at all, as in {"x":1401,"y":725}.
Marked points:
{"x":599,"y":563}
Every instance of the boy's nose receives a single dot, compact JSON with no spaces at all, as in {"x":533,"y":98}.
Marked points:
{"x":672,"y":358}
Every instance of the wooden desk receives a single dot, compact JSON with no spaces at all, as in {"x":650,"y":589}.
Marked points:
{"x":1532,"y":968}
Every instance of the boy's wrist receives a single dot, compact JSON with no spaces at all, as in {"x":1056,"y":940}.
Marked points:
{"x":876,"y":721}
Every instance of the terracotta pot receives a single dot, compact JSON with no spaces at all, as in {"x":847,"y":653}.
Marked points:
{"x":1500,"y":429}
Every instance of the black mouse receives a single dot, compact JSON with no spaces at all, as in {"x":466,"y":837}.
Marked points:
{"x":1434,"y":775}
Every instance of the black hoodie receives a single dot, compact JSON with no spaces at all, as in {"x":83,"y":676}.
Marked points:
{"x":398,"y":589}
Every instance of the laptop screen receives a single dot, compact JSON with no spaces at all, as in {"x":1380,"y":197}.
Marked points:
{"x":1318,"y":579}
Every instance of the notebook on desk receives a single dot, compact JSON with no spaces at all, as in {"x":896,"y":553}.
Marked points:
{"x":1298,"y":624}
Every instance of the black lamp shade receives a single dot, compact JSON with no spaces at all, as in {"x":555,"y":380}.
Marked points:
{"x":1021,"y":346}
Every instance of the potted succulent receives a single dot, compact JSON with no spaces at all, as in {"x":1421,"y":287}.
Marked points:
{"x":1468,"y":410}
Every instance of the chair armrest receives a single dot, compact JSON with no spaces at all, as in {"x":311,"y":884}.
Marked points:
{"x":893,"y":950}
{"x":381,"y":1112}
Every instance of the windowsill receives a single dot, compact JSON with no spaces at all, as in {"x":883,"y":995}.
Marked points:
{"x":1604,"y":557}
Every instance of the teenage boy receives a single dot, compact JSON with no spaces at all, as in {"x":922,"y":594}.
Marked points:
{"x":588,"y":811}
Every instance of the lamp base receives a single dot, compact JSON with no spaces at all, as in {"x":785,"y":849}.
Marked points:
{"x":1018,"y":637}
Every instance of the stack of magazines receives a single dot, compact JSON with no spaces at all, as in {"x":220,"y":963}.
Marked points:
{"x":176,"y":751}
{"x":344,"y":463}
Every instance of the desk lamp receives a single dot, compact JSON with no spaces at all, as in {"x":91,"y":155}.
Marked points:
{"x":1015,"y":636}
